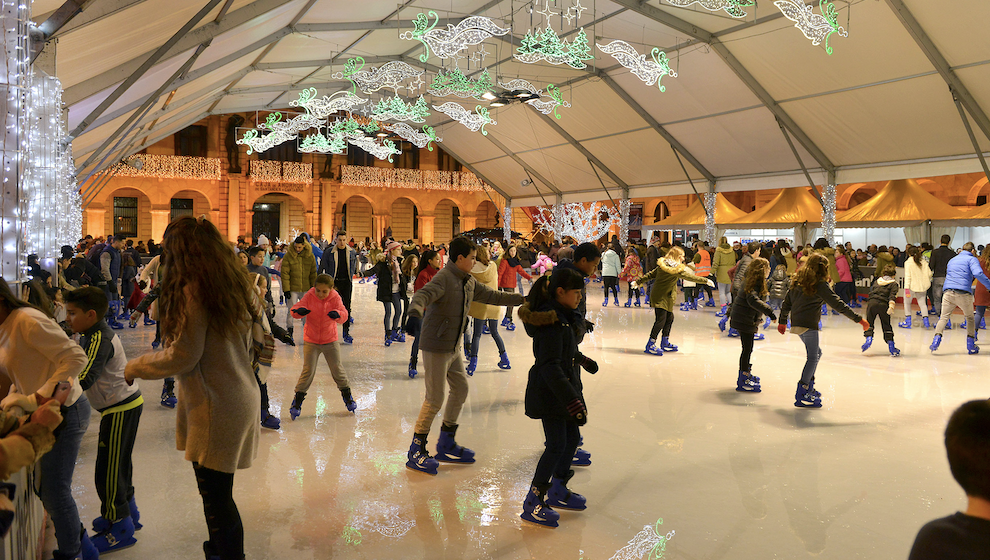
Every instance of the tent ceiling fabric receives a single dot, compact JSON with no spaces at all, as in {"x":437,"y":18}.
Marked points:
{"x":875,"y":108}
{"x":790,"y":208}
{"x":694,"y":215}
{"x":901,"y":203}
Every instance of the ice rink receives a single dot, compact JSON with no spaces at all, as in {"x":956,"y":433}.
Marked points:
{"x":731,"y":475}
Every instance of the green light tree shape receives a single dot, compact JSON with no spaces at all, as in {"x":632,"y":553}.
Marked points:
{"x":579,"y":51}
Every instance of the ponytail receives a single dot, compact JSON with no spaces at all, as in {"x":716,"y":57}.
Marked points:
{"x":539,"y":295}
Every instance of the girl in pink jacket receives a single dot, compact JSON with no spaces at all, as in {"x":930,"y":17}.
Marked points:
{"x":324,"y":310}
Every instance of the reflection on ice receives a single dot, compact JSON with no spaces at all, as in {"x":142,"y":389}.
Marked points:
{"x":649,"y":543}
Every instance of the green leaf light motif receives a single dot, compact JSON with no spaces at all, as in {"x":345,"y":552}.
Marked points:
{"x":351,"y":67}
{"x":248,"y":137}
{"x":660,"y":58}
{"x":305,"y":96}
{"x":558,"y":98}
{"x":485,"y":119}
{"x":816,"y":27}
{"x":421,"y":26}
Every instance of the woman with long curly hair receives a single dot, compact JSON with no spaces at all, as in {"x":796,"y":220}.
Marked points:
{"x":207,"y":309}
{"x":809,"y":291}
{"x":747,"y":308}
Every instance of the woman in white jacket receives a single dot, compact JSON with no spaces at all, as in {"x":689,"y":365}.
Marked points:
{"x":917,"y":280}
{"x":611,"y":268}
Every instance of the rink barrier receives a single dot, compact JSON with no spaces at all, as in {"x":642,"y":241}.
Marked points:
{"x":25,"y":539}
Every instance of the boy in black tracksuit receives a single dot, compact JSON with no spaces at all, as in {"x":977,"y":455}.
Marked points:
{"x":883,"y":297}
{"x":120,"y":408}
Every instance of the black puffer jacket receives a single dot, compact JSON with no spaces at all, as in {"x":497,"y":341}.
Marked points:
{"x":805,"y":311}
{"x":554,"y":379}
{"x":884,"y":291}
{"x":384,"y":274}
{"x":746,"y":311}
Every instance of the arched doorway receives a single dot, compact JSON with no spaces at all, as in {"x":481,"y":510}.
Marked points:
{"x":486,"y":214}
{"x":660,"y":213}
{"x":448,"y":221}
{"x":128,"y":214}
{"x":358,"y":217}
{"x":275,"y":215}
{"x":188,"y":203}
{"x":404,"y":218}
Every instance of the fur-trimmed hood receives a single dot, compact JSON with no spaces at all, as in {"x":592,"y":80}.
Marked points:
{"x":546,"y":316}
{"x":670,"y":267}
{"x":725,"y":249}
{"x":884,"y":280}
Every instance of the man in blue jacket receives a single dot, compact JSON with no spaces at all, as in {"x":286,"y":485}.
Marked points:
{"x":958,"y":292}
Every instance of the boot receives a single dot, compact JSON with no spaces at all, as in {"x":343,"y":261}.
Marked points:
{"x":119,"y":536}
{"x":472,"y":365}
{"x":983,"y":323}
{"x":168,"y":398}
{"x":964,"y":323}
{"x":721,"y":312}
{"x":693,"y":305}
{"x":685,"y":306}
{"x":412,"y":369}
{"x":628,"y":303}
{"x":269,"y":421}
{"x":505,"y":321}
{"x":581,"y":458}
{"x":893,"y":349}
{"x":388,"y":338}
{"x":616,"y":300}
{"x":746,"y":383}
{"x":935,"y":342}
{"x":906,"y":324}
{"x":651,"y":348}
{"x":511,"y":326}
{"x":733,"y":333}
{"x":758,"y":336}
{"x":484,"y":329}
{"x":804,"y":397}
{"x":637,"y":300}
{"x":88,"y":550}
{"x":721,"y":324}
{"x":925,"y":322}
{"x":971,"y":346}
{"x":503,"y":362}
{"x":866,"y":345}
{"x":447,"y":449}
{"x":345,"y":394}
{"x":824,"y":309}
{"x":560,"y":497}
{"x":400,"y":335}
{"x":295,"y":409}
{"x":536,"y":510}
{"x":948,"y":324}
{"x":148,"y":321}
{"x":710,"y":303}
{"x":666,"y":346}
{"x":605,"y":303}
{"x":418,"y":458}
{"x":766,"y":323}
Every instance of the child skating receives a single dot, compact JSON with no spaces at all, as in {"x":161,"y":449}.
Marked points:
{"x":745,"y":313}
{"x":324,"y":310}
{"x":883,"y":297}
{"x":439,"y":312}
{"x":553,"y":392}
{"x":803,"y":304}
{"x":669,"y":268}
{"x":611,"y":268}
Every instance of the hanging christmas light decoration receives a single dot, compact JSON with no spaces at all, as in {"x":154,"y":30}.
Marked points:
{"x":731,"y":7}
{"x":575,"y":220}
{"x":473,"y":121}
{"x":828,"y":214}
{"x":507,"y":225}
{"x":448,"y":42}
{"x":817,"y":27}
{"x":456,"y":83}
{"x":419,"y":139}
{"x":547,"y":106}
{"x":624,"y":222}
{"x":385,"y":151}
{"x":651,"y":72}
{"x":327,"y":105}
{"x":389,"y":75}
{"x":280,"y":131}
{"x":710,"y":230}
{"x":395,"y":109}
{"x":320,"y":144}
{"x":547,"y":45}
{"x":649,"y":543}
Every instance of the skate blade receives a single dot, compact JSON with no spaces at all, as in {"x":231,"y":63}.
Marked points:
{"x":539,"y":523}
{"x":756,"y":390}
{"x":120,"y":546}
{"x":562,"y":506}
{"x":414,"y":469}
{"x":800,"y":404}
{"x":454,"y":461}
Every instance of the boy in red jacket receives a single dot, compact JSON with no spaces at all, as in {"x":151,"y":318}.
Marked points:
{"x":324,"y":310}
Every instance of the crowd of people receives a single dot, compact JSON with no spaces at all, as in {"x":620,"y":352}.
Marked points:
{"x":201,"y":292}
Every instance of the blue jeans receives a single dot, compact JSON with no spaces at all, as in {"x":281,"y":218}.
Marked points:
{"x":476,"y":339}
{"x":810,"y":340}
{"x":56,"y":477}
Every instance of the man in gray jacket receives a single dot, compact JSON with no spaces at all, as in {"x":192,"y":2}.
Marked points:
{"x":439,"y":310}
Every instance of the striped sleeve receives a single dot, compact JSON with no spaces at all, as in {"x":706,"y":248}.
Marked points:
{"x":99,"y":349}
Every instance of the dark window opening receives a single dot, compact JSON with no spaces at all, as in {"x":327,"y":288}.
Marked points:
{"x":455,"y":221}
{"x":192,"y":141}
{"x":283,"y":152}
{"x":181,"y":207}
{"x":357,"y":156}
{"x":409,"y":158}
{"x":447,"y":163}
{"x":125,"y":220}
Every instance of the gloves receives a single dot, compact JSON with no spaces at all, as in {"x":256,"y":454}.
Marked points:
{"x":634,"y":284}
{"x":287,"y":293}
{"x":413,"y":325}
{"x":302,"y":311}
{"x":864,"y":324}
{"x":578,"y":411}
{"x":782,"y":327}
{"x":142,"y":285}
{"x":890,"y":308}
{"x":334,"y":315}
{"x":773,"y":317}
{"x":710,"y":283}
{"x":589,"y":326}
{"x":588,"y":364}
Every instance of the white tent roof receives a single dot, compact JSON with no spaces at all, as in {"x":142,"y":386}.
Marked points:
{"x":878,"y":108}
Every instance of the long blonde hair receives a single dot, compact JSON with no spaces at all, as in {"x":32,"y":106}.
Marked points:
{"x":675,"y":253}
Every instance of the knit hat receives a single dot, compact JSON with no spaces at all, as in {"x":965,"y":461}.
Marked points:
{"x":392,"y":245}
{"x":262,"y":240}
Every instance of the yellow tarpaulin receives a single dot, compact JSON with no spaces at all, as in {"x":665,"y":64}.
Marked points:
{"x":694,"y":215}
{"x":976,"y":217}
{"x":901,"y":203}
{"x":792,"y":207}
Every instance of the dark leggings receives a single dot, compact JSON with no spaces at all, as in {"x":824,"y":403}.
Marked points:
{"x":611,"y":285}
{"x":493,"y":329}
{"x":222,"y":517}
{"x":397,"y":303}
{"x":633,"y":292}
{"x":846,"y":291}
{"x":509,"y":308}
{"x":747,"y":351}
{"x":664,"y":320}
{"x":562,"y":437}
{"x":873,"y":311}
{"x":978,"y":315}
{"x":405,"y":309}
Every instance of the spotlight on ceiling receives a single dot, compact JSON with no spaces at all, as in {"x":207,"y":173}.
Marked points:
{"x":489,"y":96}
{"x":497,"y":104}
{"x":382,"y":134}
{"x":136,"y":163}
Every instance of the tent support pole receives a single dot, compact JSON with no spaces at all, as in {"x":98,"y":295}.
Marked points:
{"x":972,"y":137}
{"x":804,"y":168}
{"x":616,"y":206}
{"x":688,"y":175}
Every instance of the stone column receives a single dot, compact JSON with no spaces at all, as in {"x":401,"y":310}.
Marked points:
{"x":469,"y":221}
{"x":159,"y":221}
{"x":427,"y":231}
{"x":96,"y":222}
{"x":233,"y":208}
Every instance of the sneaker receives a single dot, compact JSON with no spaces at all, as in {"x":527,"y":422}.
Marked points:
{"x":536,"y":510}
{"x":119,"y":536}
{"x":271,"y":422}
{"x":419,"y":459}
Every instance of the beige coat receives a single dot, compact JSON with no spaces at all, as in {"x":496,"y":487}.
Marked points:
{"x":216,"y":421}
{"x":487,"y":275}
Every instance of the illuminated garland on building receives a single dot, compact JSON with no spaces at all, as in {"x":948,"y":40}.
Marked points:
{"x":817,"y":27}
{"x":651,"y":72}
{"x":473,"y":121}
{"x":731,"y":7}
{"x":171,"y":167}
{"x":456,"y":83}
{"x":547,"y":45}
{"x":295,"y":172}
{"x":386,"y":177}
{"x":828,"y":214}
{"x":15,"y":16}
{"x":448,"y":42}
{"x":395,"y":109}
{"x":263,"y":171}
